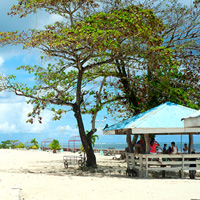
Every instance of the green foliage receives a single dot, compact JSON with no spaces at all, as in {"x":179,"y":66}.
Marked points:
{"x":196,"y":3}
{"x":35,"y":144}
{"x":144,"y":85}
{"x":14,"y":143}
{"x":33,"y":141}
{"x":20,"y":145}
{"x":93,"y":139}
{"x":99,"y":39}
{"x":5,"y":144}
{"x":54,"y":145}
{"x":34,"y":147}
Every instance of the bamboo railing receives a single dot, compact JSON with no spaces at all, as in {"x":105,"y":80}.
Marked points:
{"x":143,"y":163}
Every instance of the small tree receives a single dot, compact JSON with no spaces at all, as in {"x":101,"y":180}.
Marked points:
{"x":35,"y":144}
{"x":54,"y":145}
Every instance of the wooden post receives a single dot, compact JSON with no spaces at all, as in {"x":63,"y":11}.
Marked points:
{"x":182,"y":171}
{"x":163,"y":173}
{"x":141,"y":166}
{"x":190,"y":143}
{"x":127,"y":159}
{"x":147,"y":143}
{"x":133,"y":160}
{"x":146,"y":171}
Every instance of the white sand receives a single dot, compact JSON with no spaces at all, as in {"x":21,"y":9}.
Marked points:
{"x":42,"y":176}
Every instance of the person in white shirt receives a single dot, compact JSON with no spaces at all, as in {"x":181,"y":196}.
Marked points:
{"x":185,"y":149}
{"x":174,"y":148}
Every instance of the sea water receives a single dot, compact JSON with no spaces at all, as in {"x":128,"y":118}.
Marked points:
{"x":122,"y":146}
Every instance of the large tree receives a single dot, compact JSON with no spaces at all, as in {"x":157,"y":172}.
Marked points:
{"x":144,"y":85}
{"x":81,"y":48}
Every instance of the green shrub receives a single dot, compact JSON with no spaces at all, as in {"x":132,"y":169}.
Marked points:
{"x":54,"y":145}
{"x":5,"y":144}
{"x":20,"y":145}
{"x":35,"y":144}
{"x":34,"y":147}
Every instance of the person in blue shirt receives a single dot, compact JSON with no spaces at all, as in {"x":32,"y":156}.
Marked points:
{"x":165,"y":150}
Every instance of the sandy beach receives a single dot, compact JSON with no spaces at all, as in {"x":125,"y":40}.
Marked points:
{"x":41,"y":175}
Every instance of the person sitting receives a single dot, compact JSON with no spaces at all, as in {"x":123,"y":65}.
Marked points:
{"x":169,"y":150}
{"x":174,"y":148}
{"x":185,"y":149}
{"x":174,"y":151}
{"x":153,"y":145}
{"x":165,"y":150}
{"x":138,"y":147}
{"x":153,"y":150}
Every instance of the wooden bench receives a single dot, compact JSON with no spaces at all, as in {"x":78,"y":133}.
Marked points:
{"x":143,"y":163}
{"x":110,"y":152}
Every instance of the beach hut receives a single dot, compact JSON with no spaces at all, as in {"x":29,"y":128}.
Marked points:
{"x":165,"y":119}
{"x":45,"y":143}
{"x":73,"y":140}
{"x":192,"y":121}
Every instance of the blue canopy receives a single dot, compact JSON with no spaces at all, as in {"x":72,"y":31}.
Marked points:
{"x":195,"y":114}
{"x":163,"y":119}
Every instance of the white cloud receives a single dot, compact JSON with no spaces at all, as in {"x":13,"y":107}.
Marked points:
{"x":7,"y":127}
{"x":36,"y":126}
{"x":67,"y":131}
{"x":1,"y":61}
{"x":13,"y":115}
{"x":10,"y":98}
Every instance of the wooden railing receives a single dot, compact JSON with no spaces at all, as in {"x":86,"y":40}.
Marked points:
{"x":143,"y":163}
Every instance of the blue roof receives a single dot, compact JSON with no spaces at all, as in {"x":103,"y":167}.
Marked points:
{"x":196,"y":114}
{"x":167,"y":115}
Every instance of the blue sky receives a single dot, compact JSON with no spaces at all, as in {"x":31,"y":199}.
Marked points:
{"x":14,"y":109}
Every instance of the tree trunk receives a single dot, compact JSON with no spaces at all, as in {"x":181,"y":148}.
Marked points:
{"x":147,"y":143}
{"x":91,"y":159}
{"x":54,"y":150}
{"x":128,"y":140}
{"x":190,"y":143}
{"x":127,"y":88}
{"x":130,"y":143}
{"x":135,"y":137}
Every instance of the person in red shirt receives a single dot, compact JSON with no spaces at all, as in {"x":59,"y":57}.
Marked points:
{"x":153,"y":145}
